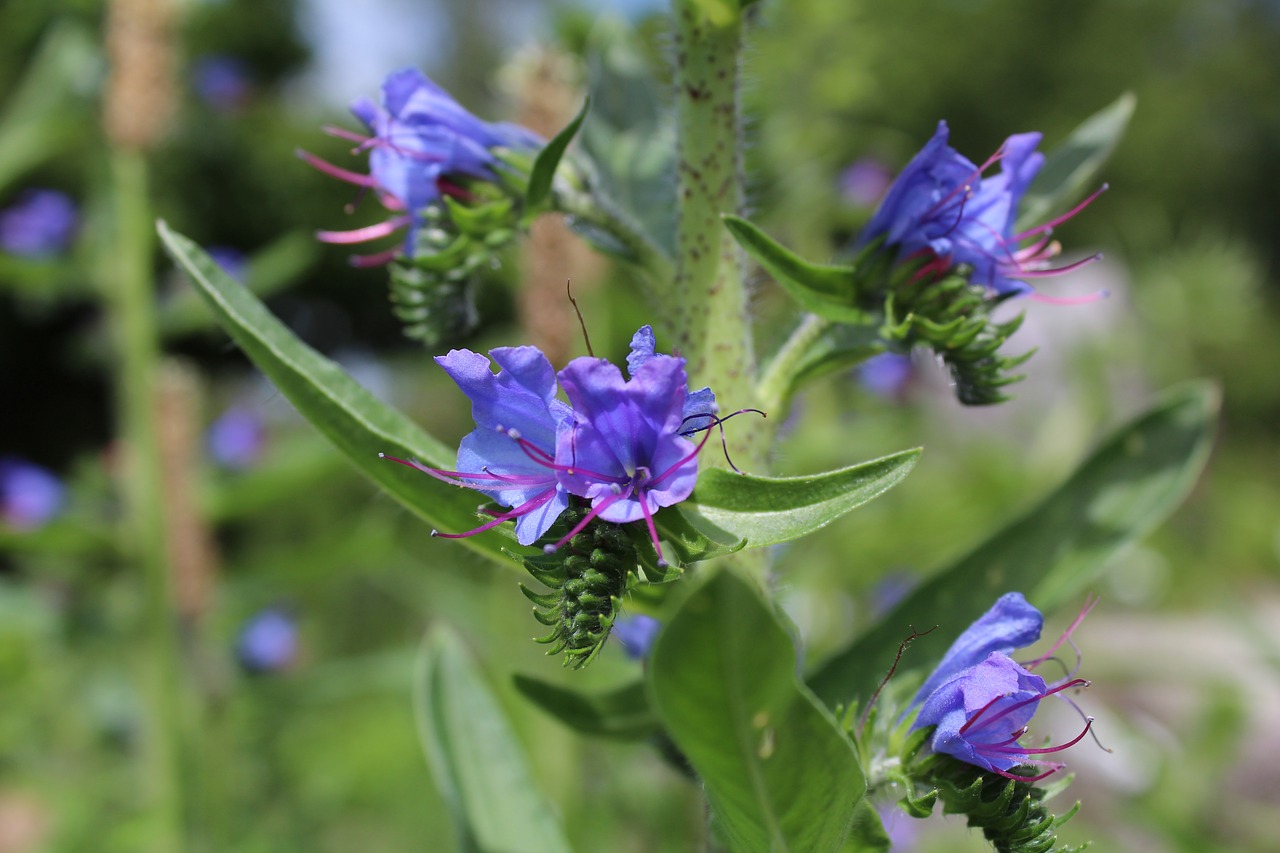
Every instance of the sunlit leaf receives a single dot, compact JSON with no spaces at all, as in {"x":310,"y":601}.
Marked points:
{"x":356,"y":422}
{"x":779,"y":773}
{"x":1123,"y":490}
{"x":543,"y":173}
{"x":1071,"y":169}
{"x":476,"y":760}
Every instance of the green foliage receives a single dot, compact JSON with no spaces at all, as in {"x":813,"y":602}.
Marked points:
{"x":622,"y":713}
{"x":358,"y":424}
{"x":542,"y":175}
{"x":1125,"y":488}
{"x":476,"y":760}
{"x":771,"y":510}
{"x":779,"y":772}
{"x":1072,"y":167}
{"x":1012,"y":815}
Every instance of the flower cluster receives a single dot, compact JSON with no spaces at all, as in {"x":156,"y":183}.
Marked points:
{"x":422,"y":145}
{"x":980,"y":700}
{"x":942,"y":211}
{"x":621,"y":444}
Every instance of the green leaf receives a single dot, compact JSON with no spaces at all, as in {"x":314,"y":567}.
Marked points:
{"x":543,"y":173}
{"x":477,"y":762}
{"x":693,"y":537}
{"x":1119,"y":494}
{"x":779,"y":772}
{"x":1073,"y":167}
{"x":621,"y":714}
{"x":828,"y":291}
{"x":357,"y":423}
{"x":769,"y":510}
{"x":868,"y":833}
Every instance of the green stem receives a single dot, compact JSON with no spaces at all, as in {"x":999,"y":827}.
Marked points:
{"x":774,"y":388}
{"x":132,"y":300}
{"x":710,"y":321}
{"x":598,"y":211}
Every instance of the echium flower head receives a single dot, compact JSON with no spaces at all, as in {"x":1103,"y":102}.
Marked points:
{"x":941,"y":210}
{"x":622,"y":445}
{"x":980,"y":700}
{"x":422,"y":144}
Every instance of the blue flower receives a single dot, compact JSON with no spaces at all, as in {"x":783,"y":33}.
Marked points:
{"x":268,"y":642}
{"x":222,"y":82}
{"x":30,"y":496}
{"x":422,"y":144}
{"x":237,"y":438}
{"x":980,"y":700}
{"x":40,"y":224}
{"x":942,"y":210}
{"x":887,"y":374}
{"x":636,"y":634}
{"x":232,"y":261}
{"x":622,"y":445}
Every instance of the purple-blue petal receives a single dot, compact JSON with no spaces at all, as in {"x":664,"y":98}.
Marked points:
{"x":636,"y":634}
{"x":1011,"y":623}
{"x":643,"y":348}
{"x":997,"y":689}
{"x":30,"y":496}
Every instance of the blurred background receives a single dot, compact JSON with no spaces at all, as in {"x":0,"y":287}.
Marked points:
{"x":302,"y":593}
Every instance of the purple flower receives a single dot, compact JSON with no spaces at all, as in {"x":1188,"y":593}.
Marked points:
{"x":237,"y":438}
{"x":222,"y":82}
{"x":980,"y":700}
{"x":886,"y":374}
{"x":423,"y":144}
{"x":636,"y":634}
{"x":865,"y":181}
{"x":40,"y":224}
{"x":268,"y":642}
{"x":30,"y":496}
{"x":233,"y":261}
{"x":942,"y":210}
{"x":622,"y":445}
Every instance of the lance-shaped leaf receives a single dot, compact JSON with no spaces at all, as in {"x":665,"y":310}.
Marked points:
{"x":355,"y":421}
{"x":829,"y":291}
{"x":1122,"y":491}
{"x":779,"y":772}
{"x":621,"y":714}
{"x":543,"y":174}
{"x":770,"y":510}
{"x":1072,"y":168}
{"x":476,"y":760}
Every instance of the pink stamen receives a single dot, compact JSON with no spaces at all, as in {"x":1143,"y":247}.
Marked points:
{"x":1069,"y":300}
{"x":376,"y":260}
{"x":343,"y":133}
{"x":588,"y":518}
{"x":653,"y":531}
{"x":524,"y":508}
{"x":1064,"y":217}
{"x":1054,"y":767}
{"x":1046,"y":273}
{"x":454,"y":478}
{"x":1042,"y":750}
{"x":1089,"y":604}
{"x":546,"y":460}
{"x":335,"y":171}
{"x":365,"y":234}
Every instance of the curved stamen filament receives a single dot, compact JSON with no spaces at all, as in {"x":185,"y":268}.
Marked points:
{"x":375,"y":260}
{"x":1064,"y":217}
{"x":1089,"y":604}
{"x":365,"y":234}
{"x":524,"y":508}
{"x":1016,"y":705}
{"x":336,"y":171}
{"x":1041,"y":750}
{"x":588,"y":518}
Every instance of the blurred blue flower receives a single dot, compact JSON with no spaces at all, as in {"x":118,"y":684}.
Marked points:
{"x":237,"y":438}
{"x":423,"y":143}
{"x":39,"y":224}
{"x":30,"y":496}
{"x":222,"y":82}
{"x":887,"y":374}
{"x":268,"y":642}
{"x":636,"y":634}
{"x":865,"y":181}
{"x":233,"y":261}
{"x":980,"y":700}
{"x":622,"y":444}
{"x":943,"y":211}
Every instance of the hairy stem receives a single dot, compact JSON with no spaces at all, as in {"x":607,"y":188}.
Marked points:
{"x":710,"y":322}
{"x":775,"y":382}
